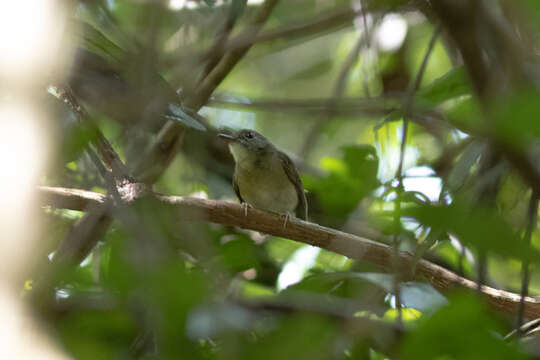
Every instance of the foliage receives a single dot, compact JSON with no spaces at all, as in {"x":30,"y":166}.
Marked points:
{"x":158,"y":286}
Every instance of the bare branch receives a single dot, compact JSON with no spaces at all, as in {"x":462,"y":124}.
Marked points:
{"x":337,"y":93}
{"x":532,"y":218}
{"x":355,"y":247}
{"x":119,"y":171}
{"x":163,"y":149}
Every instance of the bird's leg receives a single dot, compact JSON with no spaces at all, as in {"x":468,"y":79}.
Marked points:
{"x":287,"y":217}
{"x":245,"y":206}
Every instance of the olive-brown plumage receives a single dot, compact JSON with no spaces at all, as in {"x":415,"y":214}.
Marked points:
{"x":265,"y":177}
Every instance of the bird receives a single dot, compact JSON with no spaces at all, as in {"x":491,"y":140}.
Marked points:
{"x":265,"y":177}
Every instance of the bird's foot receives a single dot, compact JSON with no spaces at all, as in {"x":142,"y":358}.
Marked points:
{"x":245,"y":206}
{"x":287,"y":217}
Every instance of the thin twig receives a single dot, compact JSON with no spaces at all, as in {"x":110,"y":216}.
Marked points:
{"x":379,"y":106}
{"x":337,"y":93}
{"x":163,"y":149}
{"x":119,"y":171}
{"x":399,"y":173}
{"x":231,"y":58}
{"x":367,"y":46}
{"x":218,"y":48}
{"x":319,"y":25}
{"x":532,"y":217}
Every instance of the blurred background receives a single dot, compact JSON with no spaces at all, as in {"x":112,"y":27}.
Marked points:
{"x":412,"y":123}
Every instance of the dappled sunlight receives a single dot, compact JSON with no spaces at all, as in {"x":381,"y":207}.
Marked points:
{"x":30,"y":34}
{"x":294,"y":270}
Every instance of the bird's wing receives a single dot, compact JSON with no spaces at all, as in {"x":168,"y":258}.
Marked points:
{"x":292,"y":174}
{"x":236,"y":188}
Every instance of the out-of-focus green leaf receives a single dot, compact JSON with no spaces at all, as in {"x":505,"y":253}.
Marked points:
{"x":348,"y":182}
{"x":516,"y":118}
{"x":208,"y":321}
{"x":238,"y":7}
{"x":462,"y":330}
{"x":463,"y":166}
{"x":466,"y":115}
{"x":299,"y":338}
{"x":419,"y":296}
{"x":239,"y":254}
{"x":94,"y":41}
{"x":453,"y":84}
{"x":184,"y":118}
{"x":477,"y":226}
{"x":432,"y":237}
{"x":344,"y":285}
{"x":97,"y":334}
{"x":280,"y":250}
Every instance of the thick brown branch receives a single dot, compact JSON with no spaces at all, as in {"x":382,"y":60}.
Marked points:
{"x":355,"y":247}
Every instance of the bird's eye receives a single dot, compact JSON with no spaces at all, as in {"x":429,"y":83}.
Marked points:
{"x":249,"y":135}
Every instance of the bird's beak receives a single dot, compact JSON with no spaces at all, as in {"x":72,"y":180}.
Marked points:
{"x":227,"y":137}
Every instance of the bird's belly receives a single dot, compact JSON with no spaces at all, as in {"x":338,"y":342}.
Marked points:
{"x":272,"y":193}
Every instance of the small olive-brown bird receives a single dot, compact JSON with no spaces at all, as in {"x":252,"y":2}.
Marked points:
{"x":265,"y":177}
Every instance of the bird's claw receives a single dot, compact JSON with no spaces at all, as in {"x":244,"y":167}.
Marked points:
{"x":287,"y":217}
{"x":245,"y":206}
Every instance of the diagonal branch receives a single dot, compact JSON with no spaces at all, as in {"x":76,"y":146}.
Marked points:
{"x":337,"y":92}
{"x":352,"y":246}
{"x":119,"y":171}
{"x":167,"y":139}
{"x":85,"y":234}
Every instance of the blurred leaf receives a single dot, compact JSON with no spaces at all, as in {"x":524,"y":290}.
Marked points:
{"x":299,"y":338}
{"x":407,"y":315}
{"x":462,"y":330}
{"x":453,"y":84}
{"x":252,"y":289}
{"x":330,"y":261}
{"x":238,"y":7}
{"x":348,"y":182}
{"x":466,"y":115}
{"x":207,"y":322}
{"x":182,"y":117}
{"x":97,"y":334}
{"x":343,"y":284}
{"x":281,"y":249}
{"x":482,"y":227}
{"x":419,"y":296}
{"x":432,"y":237}
{"x":239,"y":254}
{"x":94,"y":41}
{"x":465,"y":163}
{"x":516,"y":117}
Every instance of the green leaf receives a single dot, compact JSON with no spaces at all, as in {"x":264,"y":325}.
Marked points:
{"x":475,"y":225}
{"x":179,"y":115}
{"x":96,"y":334}
{"x":239,"y":254}
{"x":94,"y":41}
{"x":462,"y":330}
{"x":463,"y":166}
{"x":466,"y":115}
{"x":416,"y":295}
{"x":451,"y":85}
{"x":516,"y":118}
{"x":348,"y":182}
{"x":238,"y":7}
